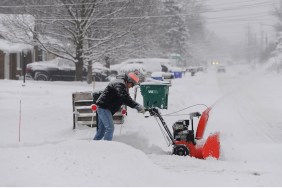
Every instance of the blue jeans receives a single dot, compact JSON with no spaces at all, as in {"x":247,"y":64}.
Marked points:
{"x":105,"y":125}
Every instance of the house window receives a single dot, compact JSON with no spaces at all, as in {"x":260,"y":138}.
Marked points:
{"x":41,"y":55}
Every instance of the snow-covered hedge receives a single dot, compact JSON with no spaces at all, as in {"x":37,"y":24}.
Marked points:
{"x":274,"y":64}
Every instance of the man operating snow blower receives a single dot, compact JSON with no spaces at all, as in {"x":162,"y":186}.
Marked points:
{"x":112,"y":98}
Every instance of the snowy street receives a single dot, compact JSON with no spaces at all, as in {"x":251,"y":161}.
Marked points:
{"x":211,"y":68}
{"x":246,"y":112}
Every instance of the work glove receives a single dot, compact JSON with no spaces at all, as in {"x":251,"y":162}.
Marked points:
{"x":140,"y":109}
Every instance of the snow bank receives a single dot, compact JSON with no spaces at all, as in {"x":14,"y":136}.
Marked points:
{"x":246,"y":112}
{"x":77,"y":163}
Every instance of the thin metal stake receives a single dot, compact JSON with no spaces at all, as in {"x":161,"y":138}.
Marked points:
{"x":20,"y":120}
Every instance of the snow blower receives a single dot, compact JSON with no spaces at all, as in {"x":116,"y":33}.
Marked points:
{"x":183,"y":140}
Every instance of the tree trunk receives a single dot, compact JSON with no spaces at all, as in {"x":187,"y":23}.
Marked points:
{"x":107,"y":61}
{"x":79,"y":68}
{"x":89,"y":72}
{"x":79,"y":58}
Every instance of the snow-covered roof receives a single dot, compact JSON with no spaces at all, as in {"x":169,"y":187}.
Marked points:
{"x":9,"y":47}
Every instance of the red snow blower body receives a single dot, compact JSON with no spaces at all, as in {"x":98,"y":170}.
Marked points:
{"x":183,"y":139}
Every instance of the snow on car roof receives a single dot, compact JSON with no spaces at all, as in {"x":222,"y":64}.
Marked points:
{"x":151,"y":64}
{"x":157,"y":74}
{"x":133,"y":67}
{"x":51,"y":63}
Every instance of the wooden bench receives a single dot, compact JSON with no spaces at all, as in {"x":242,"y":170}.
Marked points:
{"x":82,"y":113}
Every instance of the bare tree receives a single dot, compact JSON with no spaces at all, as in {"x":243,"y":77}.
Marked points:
{"x":177,"y":27}
{"x":84,"y":30}
{"x":277,"y":12}
{"x":275,"y":48}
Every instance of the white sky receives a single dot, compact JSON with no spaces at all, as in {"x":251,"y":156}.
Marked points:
{"x":229,"y":18}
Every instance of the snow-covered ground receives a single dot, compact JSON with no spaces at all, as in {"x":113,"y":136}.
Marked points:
{"x":247,"y":113}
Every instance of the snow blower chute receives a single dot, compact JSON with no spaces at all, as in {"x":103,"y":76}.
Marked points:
{"x":183,"y":140}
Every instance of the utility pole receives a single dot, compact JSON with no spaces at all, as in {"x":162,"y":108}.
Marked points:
{"x":255,"y":49}
{"x":261,"y":43}
{"x":248,"y":43}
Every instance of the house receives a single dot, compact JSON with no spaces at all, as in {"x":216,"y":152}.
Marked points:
{"x":12,"y":59}
{"x":16,"y":49}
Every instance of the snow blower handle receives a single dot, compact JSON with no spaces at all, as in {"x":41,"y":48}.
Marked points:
{"x":155,"y":112}
{"x":152,"y":111}
{"x":195,"y":114}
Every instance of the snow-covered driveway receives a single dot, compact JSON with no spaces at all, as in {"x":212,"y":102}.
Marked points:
{"x":246,"y":112}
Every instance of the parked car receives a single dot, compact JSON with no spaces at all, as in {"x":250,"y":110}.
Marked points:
{"x":201,"y":68}
{"x":62,"y":70}
{"x":100,"y":72}
{"x":192,"y":70}
{"x":57,"y":69}
{"x":163,"y":76}
{"x":221,"y":68}
{"x":150,"y":64}
{"x":101,"y":76}
{"x":137,"y":68}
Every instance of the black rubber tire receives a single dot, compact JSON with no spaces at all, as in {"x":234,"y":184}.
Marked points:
{"x":42,"y":77}
{"x":181,"y":150}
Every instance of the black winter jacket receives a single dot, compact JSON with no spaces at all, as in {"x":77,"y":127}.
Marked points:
{"x":115,"y":95}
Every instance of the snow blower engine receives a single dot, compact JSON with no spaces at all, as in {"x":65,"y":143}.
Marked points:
{"x":181,"y":131}
{"x":183,"y":139}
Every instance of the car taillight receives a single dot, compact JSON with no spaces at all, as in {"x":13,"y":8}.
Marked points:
{"x":28,"y":69}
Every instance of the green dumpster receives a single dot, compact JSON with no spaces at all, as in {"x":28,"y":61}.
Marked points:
{"x":154,"y":94}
